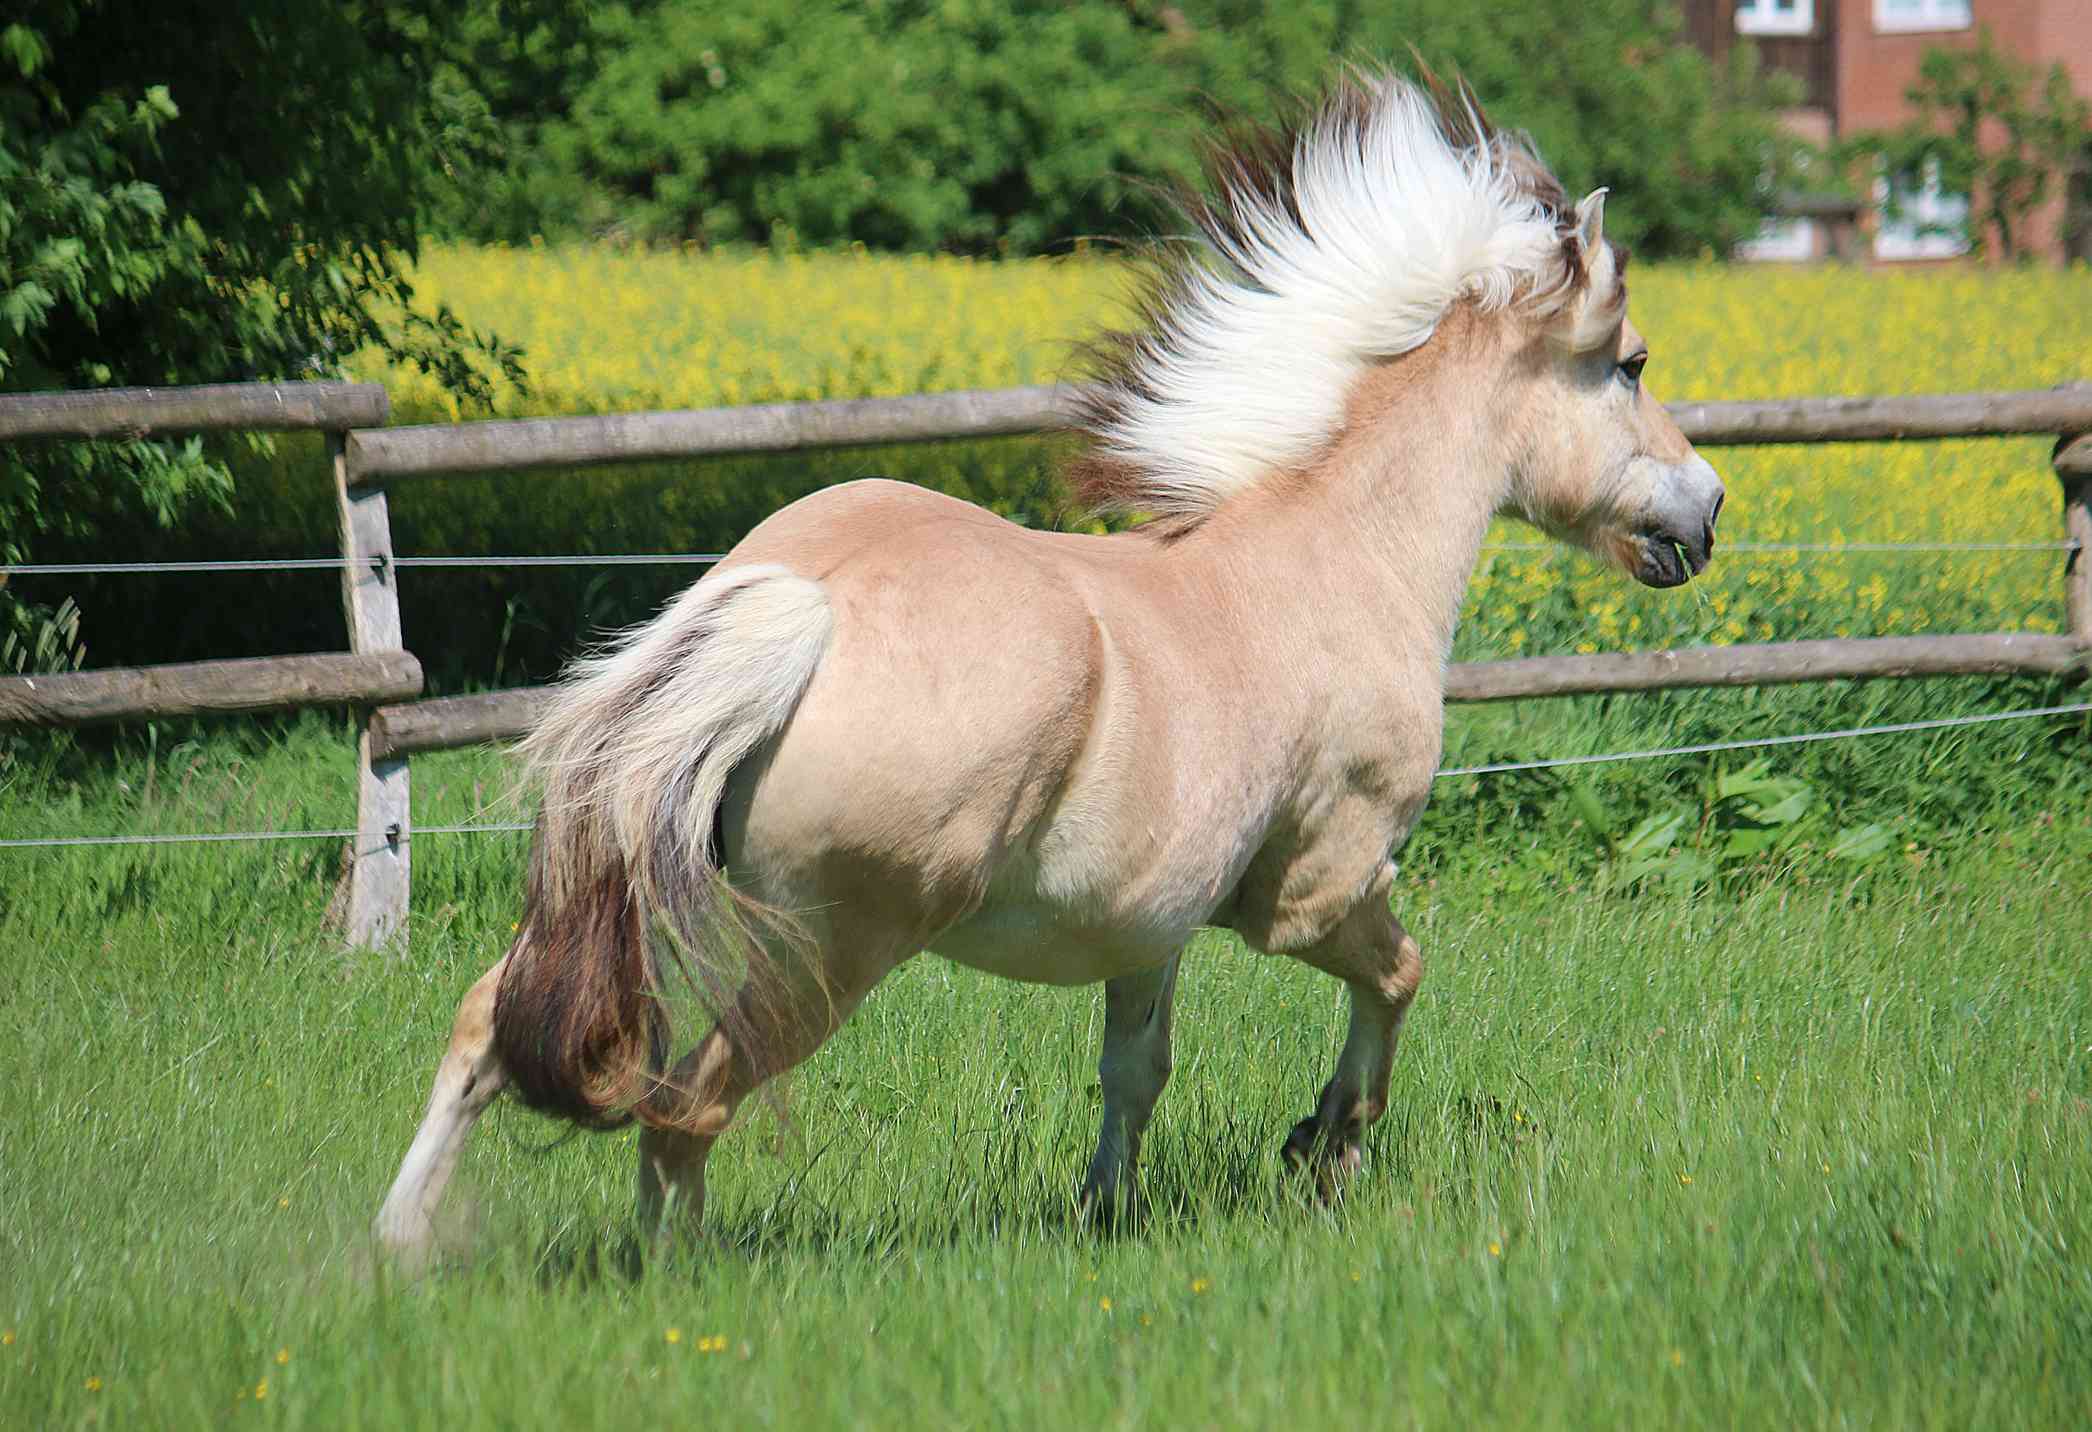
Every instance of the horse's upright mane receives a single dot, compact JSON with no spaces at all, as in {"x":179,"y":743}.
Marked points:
{"x":1320,"y":246}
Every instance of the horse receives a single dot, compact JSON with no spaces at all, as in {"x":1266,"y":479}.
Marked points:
{"x":891,"y":722}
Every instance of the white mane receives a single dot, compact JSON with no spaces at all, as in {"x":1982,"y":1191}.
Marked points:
{"x":1345,"y":242}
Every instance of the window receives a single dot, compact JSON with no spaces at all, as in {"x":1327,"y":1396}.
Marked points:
{"x":1776,"y":17}
{"x":1908,"y":16}
{"x":1785,"y":241}
{"x":1919,"y":219}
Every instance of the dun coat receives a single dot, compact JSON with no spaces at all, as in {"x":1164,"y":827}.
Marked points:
{"x":892,"y":722}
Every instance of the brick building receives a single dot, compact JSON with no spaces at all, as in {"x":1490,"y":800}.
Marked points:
{"x":1855,"y":59}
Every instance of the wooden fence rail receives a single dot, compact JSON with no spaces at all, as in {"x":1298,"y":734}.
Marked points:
{"x":520,"y":444}
{"x":452,"y":721}
{"x":377,"y":675}
{"x":214,"y":407}
{"x":263,"y":683}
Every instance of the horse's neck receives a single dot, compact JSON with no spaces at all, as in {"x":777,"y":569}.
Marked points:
{"x":1376,"y":543}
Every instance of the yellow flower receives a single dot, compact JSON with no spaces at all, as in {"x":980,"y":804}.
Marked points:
{"x":1104,"y":1303}
{"x":283,"y":1203}
{"x":283,"y":1356}
{"x":1199,"y":1285}
{"x":611,"y":329}
{"x":1685,"y":1178}
{"x":673,"y":1335}
{"x":7,"y":1339}
{"x":261,"y":1389}
{"x":1496,"y":1250}
{"x":1677,"y":1357}
{"x":94,"y":1384}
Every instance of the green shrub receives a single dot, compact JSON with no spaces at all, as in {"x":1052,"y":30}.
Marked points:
{"x":1021,"y":125}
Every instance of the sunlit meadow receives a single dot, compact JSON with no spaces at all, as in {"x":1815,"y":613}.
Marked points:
{"x":1804,"y":1145}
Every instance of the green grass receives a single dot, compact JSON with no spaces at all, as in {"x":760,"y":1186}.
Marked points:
{"x":1800,"y":1150}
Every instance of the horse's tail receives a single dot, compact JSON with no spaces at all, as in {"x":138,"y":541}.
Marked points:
{"x":634,"y":756}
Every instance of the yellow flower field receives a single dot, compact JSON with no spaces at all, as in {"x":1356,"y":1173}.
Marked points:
{"x":616,"y":330}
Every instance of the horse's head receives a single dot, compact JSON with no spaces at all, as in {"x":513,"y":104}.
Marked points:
{"x":1598,"y":461}
{"x":1390,"y":214}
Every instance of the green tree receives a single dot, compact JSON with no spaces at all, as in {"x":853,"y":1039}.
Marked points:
{"x":1996,"y":130}
{"x":1022,"y":125}
{"x":194,"y":194}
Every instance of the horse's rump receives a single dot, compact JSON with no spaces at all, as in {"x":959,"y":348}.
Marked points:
{"x":634,"y":757}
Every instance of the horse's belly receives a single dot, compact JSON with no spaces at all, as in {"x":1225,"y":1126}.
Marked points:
{"x":1034,"y":943}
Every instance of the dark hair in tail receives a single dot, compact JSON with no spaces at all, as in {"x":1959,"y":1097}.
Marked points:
{"x":634,"y":756}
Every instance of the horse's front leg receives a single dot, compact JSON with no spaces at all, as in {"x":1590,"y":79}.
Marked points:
{"x":1133,"y":1068}
{"x":1382,"y":966}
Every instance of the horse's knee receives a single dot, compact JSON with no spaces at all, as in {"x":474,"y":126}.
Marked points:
{"x":1408,"y":974}
{"x":1394,"y":976}
{"x":698,"y":1098}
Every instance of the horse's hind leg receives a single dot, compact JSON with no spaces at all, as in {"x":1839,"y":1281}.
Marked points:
{"x":777,"y":1022}
{"x":1134,"y":1067}
{"x":466,"y":1082}
{"x":1372,"y":954}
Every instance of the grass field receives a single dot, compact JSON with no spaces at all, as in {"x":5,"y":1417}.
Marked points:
{"x":1770,"y":1136}
{"x":1807,"y":1153}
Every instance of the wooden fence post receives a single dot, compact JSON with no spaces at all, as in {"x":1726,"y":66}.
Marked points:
{"x":2074,"y":467}
{"x":378,"y":873}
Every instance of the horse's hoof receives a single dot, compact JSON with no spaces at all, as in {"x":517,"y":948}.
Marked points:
{"x":406,"y":1250}
{"x":1301,"y":1144}
{"x":1110,"y":1211}
{"x":1332,"y":1159}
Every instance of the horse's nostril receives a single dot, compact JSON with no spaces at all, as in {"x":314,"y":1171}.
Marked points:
{"x":1715,"y":516}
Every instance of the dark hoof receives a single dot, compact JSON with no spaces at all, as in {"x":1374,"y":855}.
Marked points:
{"x":1111,"y":1213}
{"x":1331,"y":1158}
{"x":1303,"y":1144}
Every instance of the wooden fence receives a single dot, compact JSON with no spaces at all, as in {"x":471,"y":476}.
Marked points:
{"x":378,"y":677}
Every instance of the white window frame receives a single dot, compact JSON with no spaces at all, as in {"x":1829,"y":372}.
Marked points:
{"x":1930,"y":206}
{"x":1780,"y":241}
{"x":1932,"y":16}
{"x":1757,"y":17}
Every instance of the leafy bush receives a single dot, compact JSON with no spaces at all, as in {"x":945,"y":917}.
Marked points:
{"x":1021,"y":125}
{"x":198,"y":194}
{"x":1745,"y":819}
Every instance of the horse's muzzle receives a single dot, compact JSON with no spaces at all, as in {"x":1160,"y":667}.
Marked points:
{"x":1677,"y":546}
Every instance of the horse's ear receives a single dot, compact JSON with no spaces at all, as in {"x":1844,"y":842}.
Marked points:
{"x":1601,"y":301}
{"x":1590,"y":224}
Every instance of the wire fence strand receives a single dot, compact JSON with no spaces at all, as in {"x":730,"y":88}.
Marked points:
{"x":1940,"y":723}
{"x":335,"y":564}
{"x":1654,"y":753}
{"x":668,"y":559}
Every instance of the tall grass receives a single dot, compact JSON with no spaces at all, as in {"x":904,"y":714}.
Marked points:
{"x":1783,"y":1154}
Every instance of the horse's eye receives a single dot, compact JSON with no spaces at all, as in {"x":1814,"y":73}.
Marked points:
{"x":1631,"y":369}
